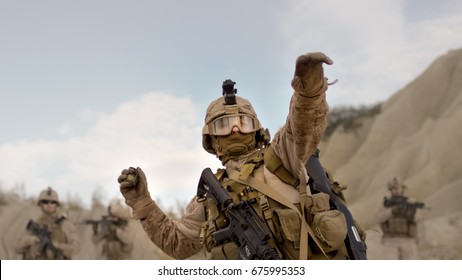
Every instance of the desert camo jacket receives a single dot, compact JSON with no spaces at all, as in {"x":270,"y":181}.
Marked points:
{"x":294,"y":143}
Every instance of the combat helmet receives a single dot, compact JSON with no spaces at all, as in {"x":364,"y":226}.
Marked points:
{"x":116,"y":209}
{"x":394,"y":183}
{"x":229,"y":110}
{"x":48,"y":194}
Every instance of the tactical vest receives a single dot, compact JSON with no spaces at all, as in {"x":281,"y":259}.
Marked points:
{"x":326,"y":227}
{"x":400,"y":225}
{"x":113,"y":248}
{"x":57,"y":235}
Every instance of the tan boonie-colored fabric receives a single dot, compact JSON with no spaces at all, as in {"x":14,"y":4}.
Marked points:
{"x":294,"y":143}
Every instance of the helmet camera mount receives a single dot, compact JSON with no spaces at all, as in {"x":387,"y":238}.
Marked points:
{"x":229,"y":92}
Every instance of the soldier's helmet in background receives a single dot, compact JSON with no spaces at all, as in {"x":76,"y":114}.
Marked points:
{"x":395,"y":183}
{"x":117,"y":209}
{"x":48,"y":195}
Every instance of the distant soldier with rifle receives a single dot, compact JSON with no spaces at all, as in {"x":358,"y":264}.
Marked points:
{"x":51,"y":236}
{"x":398,"y":217}
{"x":115,"y":233}
{"x":259,"y":206}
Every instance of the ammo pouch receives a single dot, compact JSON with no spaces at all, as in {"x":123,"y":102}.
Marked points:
{"x":287,"y":231}
{"x":216,"y":220}
{"x":399,"y":227}
{"x":227,"y":251}
{"x":331,"y":228}
{"x":328,"y":225}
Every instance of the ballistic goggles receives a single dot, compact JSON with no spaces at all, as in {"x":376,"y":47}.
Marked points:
{"x":224,"y":125}
{"x":46,"y":201}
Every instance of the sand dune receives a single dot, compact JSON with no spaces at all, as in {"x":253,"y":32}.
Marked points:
{"x":417,"y":138}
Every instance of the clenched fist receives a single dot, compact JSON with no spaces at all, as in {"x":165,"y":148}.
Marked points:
{"x":133,"y":185}
{"x":134,"y":188}
{"x":311,"y":63}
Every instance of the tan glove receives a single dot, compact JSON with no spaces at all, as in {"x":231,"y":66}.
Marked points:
{"x":134,"y":188}
{"x":66,"y":249}
{"x":309,"y":72}
{"x":29,"y":240}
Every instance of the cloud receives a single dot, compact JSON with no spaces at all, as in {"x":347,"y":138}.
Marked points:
{"x":376,"y":48}
{"x":158,"y":132}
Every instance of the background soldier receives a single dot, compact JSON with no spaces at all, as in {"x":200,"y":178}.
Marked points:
{"x":398,"y":218}
{"x":115,"y":232}
{"x":52,"y":236}
{"x":269,"y":176}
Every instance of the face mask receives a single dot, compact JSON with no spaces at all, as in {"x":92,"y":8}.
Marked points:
{"x":234,"y":144}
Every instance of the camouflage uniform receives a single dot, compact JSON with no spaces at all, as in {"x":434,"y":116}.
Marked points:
{"x":63,"y":234}
{"x":118,"y":237}
{"x":399,"y":228}
{"x":293,"y":144}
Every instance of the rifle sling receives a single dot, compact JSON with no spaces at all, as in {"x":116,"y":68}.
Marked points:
{"x":267,"y":190}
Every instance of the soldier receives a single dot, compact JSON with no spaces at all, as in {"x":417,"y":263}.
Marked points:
{"x":52,"y":236}
{"x":398,"y":218}
{"x":115,"y":232}
{"x":255,"y":170}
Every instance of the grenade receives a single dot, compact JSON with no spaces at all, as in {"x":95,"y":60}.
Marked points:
{"x":132,"y":176}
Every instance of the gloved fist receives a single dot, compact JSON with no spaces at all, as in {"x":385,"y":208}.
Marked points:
{"x":133,"y":185}
{"x":309,"y":72}
{"x":311,"y":64}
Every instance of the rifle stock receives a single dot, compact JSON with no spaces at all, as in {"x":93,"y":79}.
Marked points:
{"x":353,"y":242}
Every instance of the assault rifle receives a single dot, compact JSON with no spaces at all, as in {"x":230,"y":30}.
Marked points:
{"x":405,"y":208}
{"x":42,"y":232}
{"x":104,"y":224}
{"x":354,"y":244}
{"x":245,"y":227}
{"x":401,"y":201}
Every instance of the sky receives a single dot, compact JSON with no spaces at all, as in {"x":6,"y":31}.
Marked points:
{"x":88,"y":88}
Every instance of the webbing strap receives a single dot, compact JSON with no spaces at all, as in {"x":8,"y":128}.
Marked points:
{"x":271,"y":192}
{"x":274,"y":164}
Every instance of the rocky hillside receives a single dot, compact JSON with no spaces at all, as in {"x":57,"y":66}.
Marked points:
{"x":416,"y":137}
